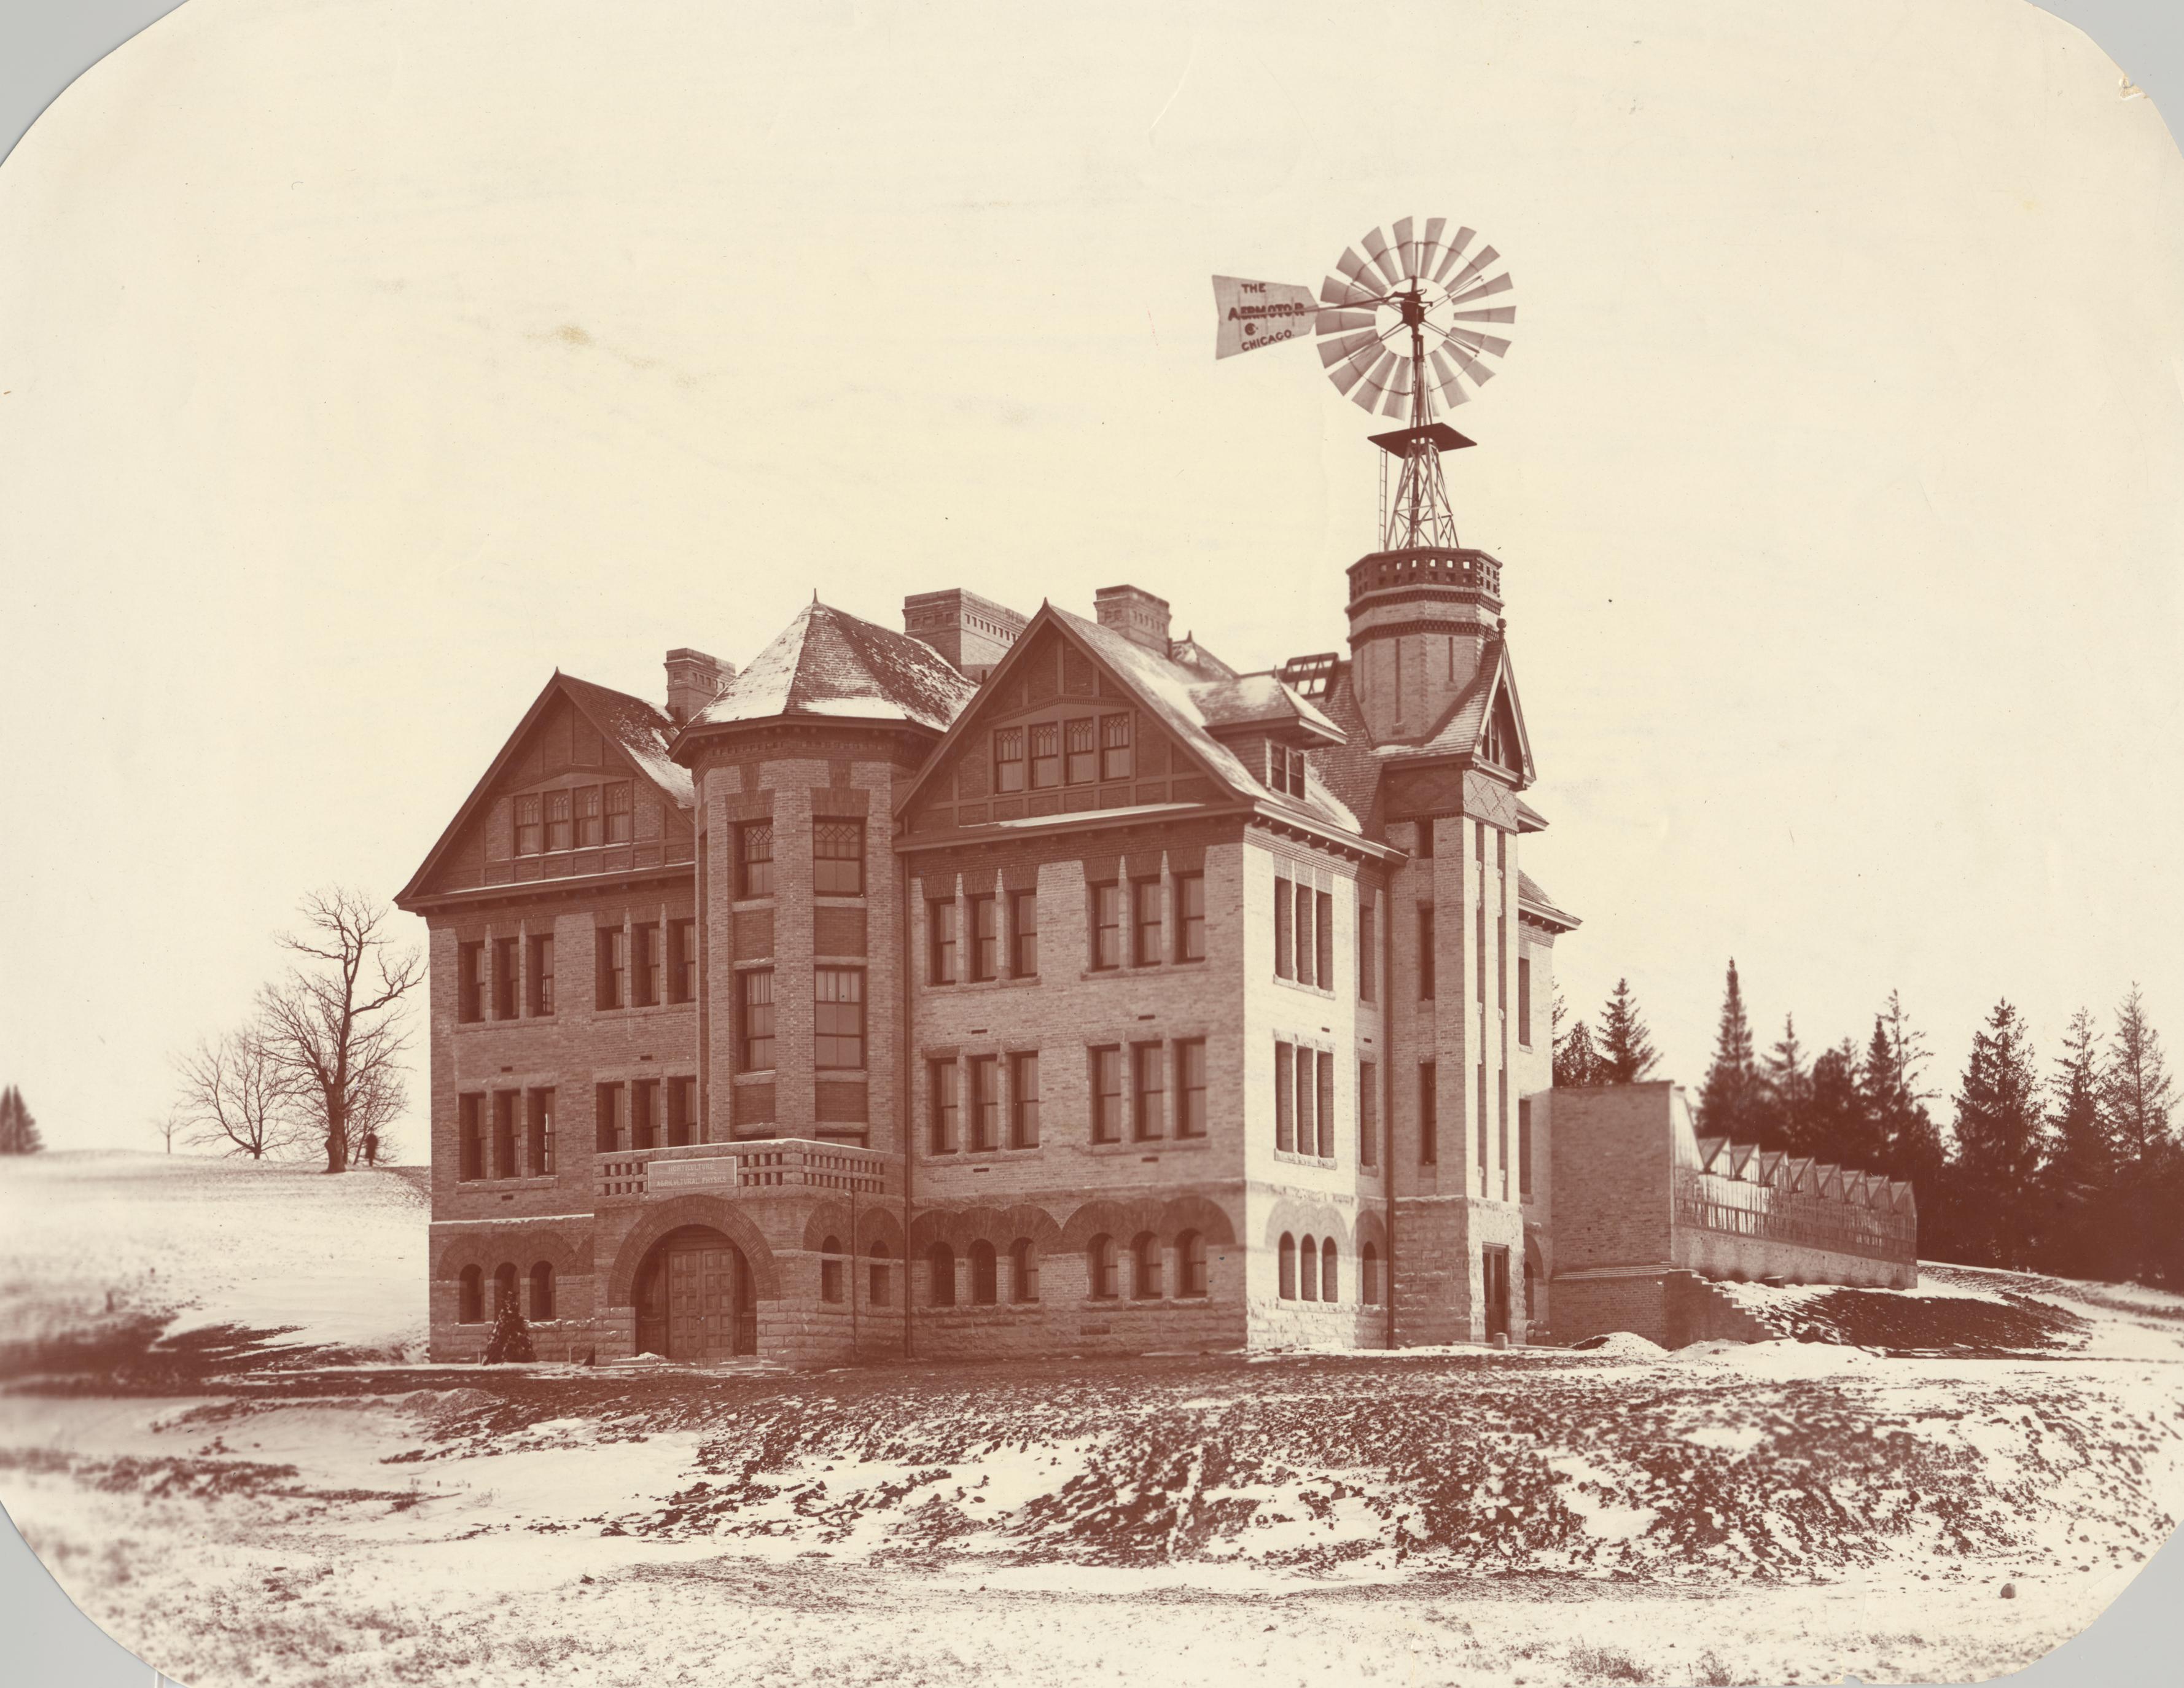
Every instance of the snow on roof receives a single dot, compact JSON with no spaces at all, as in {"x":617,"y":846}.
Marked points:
{"x":1171,"y":692}
{"x":1246,"y":699}
{"x":1531,"y":894}
{"x":828,"y":662}
{"x":640,"y":728}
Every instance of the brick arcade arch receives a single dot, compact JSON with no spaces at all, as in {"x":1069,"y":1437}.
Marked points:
{"x":709,"y":1212}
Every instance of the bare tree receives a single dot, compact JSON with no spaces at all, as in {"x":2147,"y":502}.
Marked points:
{"x":169,"y":1125}
{"x":337,"y":1024}
{"x":236,"y":1092}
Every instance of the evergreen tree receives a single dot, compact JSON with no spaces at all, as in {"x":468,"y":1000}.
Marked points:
{"x":2136,"y":1099}
{"x":2078,"y":1183}
{"x":1728,"y":1101}
{"x":1896,"y":1093}
{"x":2000,"y":1136}
{"x":18,"y":1131}
{"x":1577,"y":1061}
{"x":1626,"y":1048}
{"x":510,"y":1340}
{"x":1835,"y":1124}
{"x":1785,"y":1101}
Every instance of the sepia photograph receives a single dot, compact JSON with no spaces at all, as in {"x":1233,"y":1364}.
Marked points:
{"x":1170,"y":844}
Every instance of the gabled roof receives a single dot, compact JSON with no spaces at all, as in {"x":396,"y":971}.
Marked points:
{"x":1461,"y":730}
{"x":828,"y":662}
{"x":1260,"y":700}
{"x":638,"y":730}
{"x":1532,"y":899}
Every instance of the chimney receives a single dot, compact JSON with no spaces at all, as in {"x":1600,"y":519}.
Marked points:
{"x":972,"y":632}
{"x":694,"y":680}
{"x":1135,"y":614}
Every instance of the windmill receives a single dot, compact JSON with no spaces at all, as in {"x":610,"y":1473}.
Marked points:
{"x":1400,"y":330}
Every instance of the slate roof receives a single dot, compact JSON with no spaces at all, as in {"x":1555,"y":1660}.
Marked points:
{"x":828,"y":662}
{"x":1533,"y":894}
{"x":1256,"y":699}
{"x":1180,"y":697}
{"x":1350,"y":770}
{"x":641,"y":728}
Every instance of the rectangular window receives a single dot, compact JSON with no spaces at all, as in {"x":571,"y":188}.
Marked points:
{"x":1023,"y":1100}
{"x":755,"y":858}
{"x":1429,"y":1113}
{"x":470,"y":1136}
{"x":682,"y":1111}
{"x":1479,"y":945}
{"x":504,"y":1133}
{"x":1082,"y":742}
{"x":1501,"y":848}
{"x":1278,"y":767}
{"x":1524,"y":1149}
{"x":1023,"y":934}
{"x":1366,"y":969}
{"x":1298,"y":768}
{"x":1426,"y":952}
{"x":1107,"y":1095}
{"x":837,"y":858}
{"x":538,"y":1134}
{"x":607,"y":1117}
{"x":1524,"y":1001}
{"x":1482,"y":1128}
{"x":588,"y":818}
{"x":557,"y":821}
{"x":940,"y":941}
{"x":1326,"y":1105}
{"x":1323,"y":930}
{"x":1009,"y":759}
{"x":1191,"y":917}
{"x":644,"y":1114}
{"x":758,"y":1020}
{"x":1307,"y":947}
{"x":1425,"y":849}
{"x":644,"y":963}
{"x":1368,"y":1114}
{"x":1285,"y":1137}
{"x":619,"y":829}
{"x":682,"y":960}
{"x":530,"y":835}
{"x":1045,"y":754}
{"x":541,"y":974}
{"x":985,"y":1102}
{"x":943,"y":1079}
{"x":1502,"y":1123}
{"x":985,"y":937}
{"x":838,"y":1018}
{"x":505,"y":977}
{"x":1284,"y":944}
{"x":1149,"y":1087}
{"x":1115,"y":747}
{"x":1190,"y":1087}
{"x":470,"y":981}
{"x":614,"y":968}
{"x":1145,"y":923}
{"x":1307,"y":1093}
{"x":1106,"y":926}
{"x":1479,"y":831}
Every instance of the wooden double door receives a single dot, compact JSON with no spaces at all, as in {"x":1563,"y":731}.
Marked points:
{"x":694,"y":1299}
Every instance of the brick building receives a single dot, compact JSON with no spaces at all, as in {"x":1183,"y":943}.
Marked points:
{"x":1024,"y":984}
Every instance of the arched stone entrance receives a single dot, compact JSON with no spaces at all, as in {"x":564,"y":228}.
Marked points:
{"x":695,"y":1297}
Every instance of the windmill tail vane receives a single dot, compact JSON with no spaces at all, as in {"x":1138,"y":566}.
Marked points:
{"x":1401,"y":327}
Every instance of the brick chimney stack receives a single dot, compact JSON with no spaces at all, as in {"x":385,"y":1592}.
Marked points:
{"x":1135,"y":614}
{"x":974,"y":633}
{"x":694,"y":680}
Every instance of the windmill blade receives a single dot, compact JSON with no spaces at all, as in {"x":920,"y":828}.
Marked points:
{"x":1451,"y":388}
{"x":1500,"y":284}
{"x":1406,"y":249}
{"x":1462,"y":279}
{"x":1376,"y":248}
{"x":1341,"y":321}
{"x":1506,"y":313}
{"x":1344,"y":376}
{"x":1479,"y":373}
{"x":1368,"y":393}
{"x":1399,"y":394}
{"x":1456,"y":246}
{"x":1344,"y":295}
{"x":1361,"y":276}
{"x":1332,"y":352}
{"x":1430,"y":247}
{"x":1479,"y":342}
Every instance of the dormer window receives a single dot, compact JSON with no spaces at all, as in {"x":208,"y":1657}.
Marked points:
{"x":1285,"y":770}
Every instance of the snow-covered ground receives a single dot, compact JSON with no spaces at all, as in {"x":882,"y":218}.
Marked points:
{"x":1778,"y":1512}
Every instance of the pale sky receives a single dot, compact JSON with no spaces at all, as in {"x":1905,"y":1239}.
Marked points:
{"x":361,"y":363}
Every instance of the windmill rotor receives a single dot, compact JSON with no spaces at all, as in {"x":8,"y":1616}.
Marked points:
{"x":1402,"y":327}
